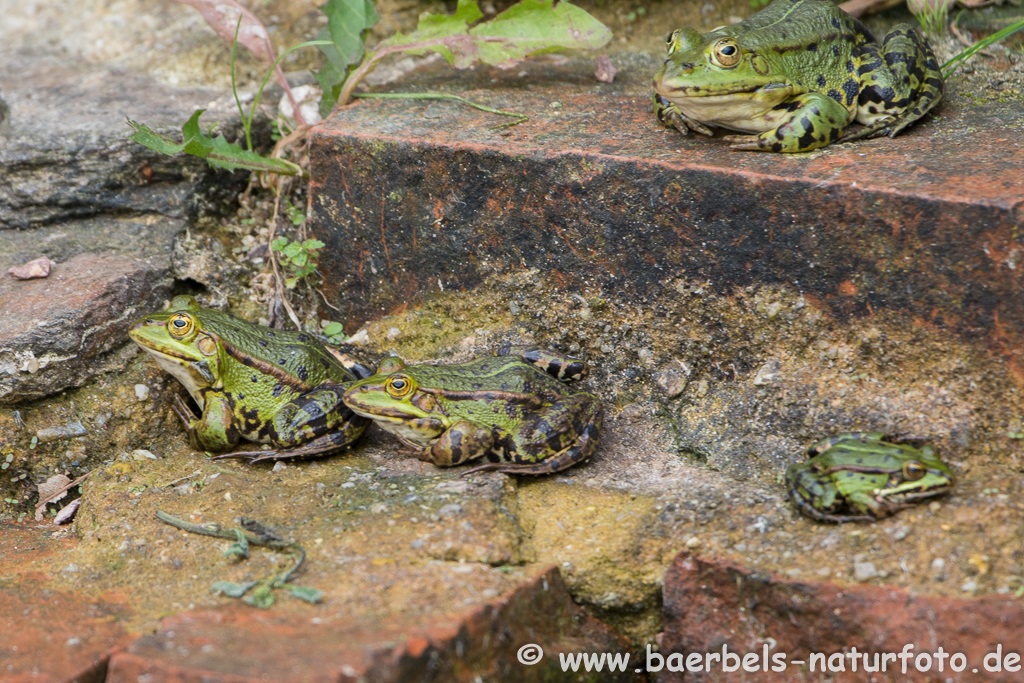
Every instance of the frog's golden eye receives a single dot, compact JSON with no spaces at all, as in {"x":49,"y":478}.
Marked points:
{"x":726,"y":53}
{"x":913,"y":470}
{"x":180,"y":325}
{"x":398,"y":386}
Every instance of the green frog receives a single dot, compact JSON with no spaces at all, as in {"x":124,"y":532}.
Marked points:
{"x":796,"y":75}
{"x":863,"y":475}
{"x":252,"y":382}
{"x":513,"y":409}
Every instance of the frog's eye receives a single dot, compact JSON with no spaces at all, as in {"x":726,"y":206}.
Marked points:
{"x":726,"y":53}
{"x":180,"y":325}
{"x":913,"y":470}
{"x":398,"y":386}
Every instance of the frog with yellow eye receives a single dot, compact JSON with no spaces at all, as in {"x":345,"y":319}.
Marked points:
{"x":794,"y":76}
{"x":252,"y":382}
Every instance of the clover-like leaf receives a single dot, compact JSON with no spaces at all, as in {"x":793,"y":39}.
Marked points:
{"x":231,"y":589}
{"x":310,"y":595}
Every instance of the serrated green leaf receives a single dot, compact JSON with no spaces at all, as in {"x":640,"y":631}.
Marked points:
{"x":300,"y":259}
{"x":533,"y":26}
{"x":450,"y":26}
{"x":527,"y":28}
{"x":314,"y":244}
{"x":311,"y":595}
{"x":279,"y":243}
{"x":231,"y":589}
{"x":347,"y":23}
{"x":262,"y":597}
{"x":217,"y":151}
{"x":292,"y":250}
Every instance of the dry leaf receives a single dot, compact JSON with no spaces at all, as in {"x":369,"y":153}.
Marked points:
{"x":54,"y":488}
{"x":67,"y":513}
{"x":604,"y":71}
{"x":39,"y":267}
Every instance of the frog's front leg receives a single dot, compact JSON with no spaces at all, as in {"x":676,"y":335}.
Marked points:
{"x":216,"y":430}
{"x":863,"y":501}
{"x":464,"y":440}
{"x":552,"y":439}
{"x":669,"y":116}
{"x":816,"y":121}
{"x":900,"y":83}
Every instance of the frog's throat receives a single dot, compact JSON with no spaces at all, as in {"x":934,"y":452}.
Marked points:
{"x":179,"y":367}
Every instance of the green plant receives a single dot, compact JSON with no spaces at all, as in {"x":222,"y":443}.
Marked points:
{"x":526,"y":28}
{"x":932,"y":15}
{"x":298,"y":258}
{"x":335,"y":333}
{"x":218,"y":151}
{"x":950,"y":67}
{"x":262,"y":594}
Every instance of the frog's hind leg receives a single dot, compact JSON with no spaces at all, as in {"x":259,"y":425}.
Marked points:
{"x":898,"y":92}
{"x":576,"y":419}
{"x":816,"y":121}
{"x":558,"y":365}
{"x":314,"y":424}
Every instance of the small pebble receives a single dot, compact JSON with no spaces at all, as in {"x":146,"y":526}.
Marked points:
{"x":901,"y":533}
{"x":66,"y":432}
{"x":37,"y":268}
{"x":394,"y":333}
{"x":450,"y":510}
{"x":969,"y":586}
{"x":863,"y":571}
{"x":348,"y":485}
{"x":141,"y":392}
{"x":693,"y":542}
{"x":934,"y":506}
{"x":417,"y":544}
{"x":279,"y":467}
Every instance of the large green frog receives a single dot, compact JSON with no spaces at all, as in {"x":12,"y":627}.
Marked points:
{"x":796,"y":74}
{"x":864,"y":476}
{"x":251,"y":382}
{"x":510,"y":409}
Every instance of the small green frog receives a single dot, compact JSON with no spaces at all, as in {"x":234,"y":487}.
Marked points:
{"x":859,"y":473}
{"x":252,"y":382}
{"x":511,"y":409}
{"x":796,"y":74}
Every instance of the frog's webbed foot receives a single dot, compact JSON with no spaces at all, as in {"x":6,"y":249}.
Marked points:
{"x":183,"y":412}
{"x":670,"y":117}
{"x":317,"y":448}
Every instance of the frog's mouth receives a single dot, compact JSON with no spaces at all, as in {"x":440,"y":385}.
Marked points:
{"x":913,"y":496}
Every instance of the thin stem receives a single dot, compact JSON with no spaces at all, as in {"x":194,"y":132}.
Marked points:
{"x":217,"y":531}
{"x":234,"y":86}
{"x":959,"y":59}
{"x":369,"y":62}
{"x":444,"y":96}
{"x":272,"y":71}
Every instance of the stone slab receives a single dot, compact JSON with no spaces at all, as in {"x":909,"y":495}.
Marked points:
{"x":239,"y":645}
{"x":56,"y":332}
{"x":50,"y":636}
{"x":710,"y":604}
{"x":412,"y":198}
{"x":64,"y":148}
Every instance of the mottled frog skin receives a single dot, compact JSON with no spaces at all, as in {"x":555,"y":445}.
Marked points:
{"x":796,"y":75}
{"x":859,"y":477}
{"x":512,"y":409}
{"x":254,"y":383}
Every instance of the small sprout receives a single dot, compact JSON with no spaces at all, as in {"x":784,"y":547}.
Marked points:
{"x":298,"y":258}
{"x":33,"y":443}
{"x":296,"y":214}
{"x":262,"y":597}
